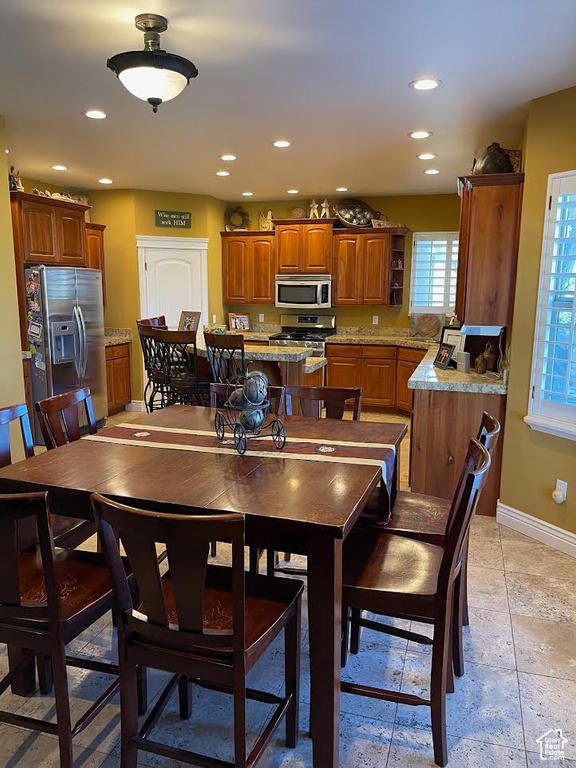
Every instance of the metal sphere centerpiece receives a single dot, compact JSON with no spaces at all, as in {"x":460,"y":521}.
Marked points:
{"x":246,"y":413}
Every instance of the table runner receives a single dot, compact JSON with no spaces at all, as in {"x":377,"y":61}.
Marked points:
{"x":302,"y":449}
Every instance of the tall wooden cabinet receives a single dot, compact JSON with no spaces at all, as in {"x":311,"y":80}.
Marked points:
{"x":488,"y":247}
{"x":95,"y":251}
{"x":248,"y":267}
{"x":303,"y":246}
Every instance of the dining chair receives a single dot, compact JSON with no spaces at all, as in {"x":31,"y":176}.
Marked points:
{"x":226,"y":356}
{"x":334,"y":399}
{"x":48,"y":597}
{"x":178,"y":356}
{"x":425,"y":518}
{"x":67,"y":531}
{"x":155,"y":379}
{"x":405,"y":578}
{"x":207,"y":625}
{"x":219,"y":394}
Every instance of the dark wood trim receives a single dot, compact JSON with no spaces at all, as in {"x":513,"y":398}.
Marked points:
{"x":56,"y":202}
{"x":490,"y":180}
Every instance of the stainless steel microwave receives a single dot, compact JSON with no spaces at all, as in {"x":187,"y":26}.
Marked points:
{"x":303,"y":291}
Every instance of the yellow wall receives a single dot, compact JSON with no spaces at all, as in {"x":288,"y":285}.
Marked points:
{"x":11,"y":379}
{"x":533,"y":460}
{"x":420,"y":213}
{"x":30,"y":184}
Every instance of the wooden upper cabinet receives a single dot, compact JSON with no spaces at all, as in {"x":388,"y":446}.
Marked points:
{"x":346,"y":287}
{"x":95,"y":251}
{"x":316,"y":249}
{"x":376,"y":283}
{"x":235,"y":264}
{"x":71,"y":237}
{"x":38,"y":242}
{"x":288,"y":249}
{"x":261,"y":269}
{"x":488,"y":247}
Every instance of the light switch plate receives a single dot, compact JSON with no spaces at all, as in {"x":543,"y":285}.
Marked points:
{"x":261,"y":317}
{"x":375,"y":319}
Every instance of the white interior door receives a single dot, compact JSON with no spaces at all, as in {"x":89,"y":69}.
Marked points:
{"x":173,"y":277}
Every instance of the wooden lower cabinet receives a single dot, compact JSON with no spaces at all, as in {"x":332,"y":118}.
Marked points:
{"x":343,"y":372}
{"x":118,"y":377}
{"x":408,"y":361}
{"x":442,"y":425}
{"x":378,"y":381}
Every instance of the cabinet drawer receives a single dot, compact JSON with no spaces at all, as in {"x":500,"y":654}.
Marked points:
{"x":411,"y":355}
{"x":379,"y":351}
{"x":344,"y":350}
{"x":118,"y":350}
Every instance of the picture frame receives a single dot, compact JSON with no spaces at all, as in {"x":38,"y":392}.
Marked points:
{"x":452,"y":335}
{"x":189,"y":320}
{"x":238,"y":322}
{"x":444,"y":355}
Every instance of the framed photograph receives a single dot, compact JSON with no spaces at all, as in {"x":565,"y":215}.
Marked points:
{"x":189,"y":321}
{"x":445,"y":352}
{"x":238,"y":322}
{"x":451,"y":335}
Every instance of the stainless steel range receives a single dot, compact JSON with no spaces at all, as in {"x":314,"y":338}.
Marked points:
{"x":305,"y":331}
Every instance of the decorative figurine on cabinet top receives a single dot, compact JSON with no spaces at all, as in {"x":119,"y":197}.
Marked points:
{"x":494,"y":159}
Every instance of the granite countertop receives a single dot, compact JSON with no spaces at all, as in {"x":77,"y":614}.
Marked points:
{"x":427,"y":377}
{"x":410,"y":342}
{"x":314,"y":363}
{"x":273,"y":354}
{"x":115,"y":336}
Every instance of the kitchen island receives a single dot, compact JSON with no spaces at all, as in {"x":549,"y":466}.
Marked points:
{"x":447,"y":410}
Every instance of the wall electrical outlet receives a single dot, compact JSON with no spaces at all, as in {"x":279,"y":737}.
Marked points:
{"x":261,"y":317}
{"x":213,"y":319}
{"x":560,"y":492}
{"x":375,"y":319}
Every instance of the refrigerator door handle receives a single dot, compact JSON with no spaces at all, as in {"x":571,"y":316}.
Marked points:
{"x":84,"y":343}
{"x":78,"y":363}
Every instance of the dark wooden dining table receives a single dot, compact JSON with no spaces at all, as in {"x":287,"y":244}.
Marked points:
{"x":305,"y":507}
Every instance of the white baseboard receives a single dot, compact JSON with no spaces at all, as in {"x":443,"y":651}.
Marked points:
{"x":546,"y":533}
{"x":136,"y":405}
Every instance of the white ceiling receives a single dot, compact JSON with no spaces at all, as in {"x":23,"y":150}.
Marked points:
{"x":331,"y":76}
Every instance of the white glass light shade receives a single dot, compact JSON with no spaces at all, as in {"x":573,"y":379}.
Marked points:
{"x":151,"y":83}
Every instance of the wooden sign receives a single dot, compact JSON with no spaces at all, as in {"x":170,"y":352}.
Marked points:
{"x":173,"y":219}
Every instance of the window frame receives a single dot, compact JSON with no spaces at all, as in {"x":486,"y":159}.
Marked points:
{"x":451,"y":237}
{"x":551,"y":424}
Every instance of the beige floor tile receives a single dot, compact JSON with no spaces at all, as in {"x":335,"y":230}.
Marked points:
{"x":487,"y":589}
{"x":486,"y":552}
{"x":548,"y":702}
{"x":544,"y":646}
{"x":535,"y":761}
{"x":485,"y":526}
{"x":533,"y":557}
{"x":541,"y":596}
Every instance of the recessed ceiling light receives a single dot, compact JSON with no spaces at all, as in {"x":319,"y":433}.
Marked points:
{"x":425,"y":83}
{"x":247,"y":194}
{"x":292,"y":191}
{"x":281,"y":143}
{"x":420,"y":134}
{"x":105,"y":181}
{"x":95,"y":114}
{"x":341,"y":189}
{"x":59,"y":167}
{"x":7,"y":151}
{"x":222,"y":173}
{"x":427,"y":156}
{"x":431,"y":171}
{"x":227,"y":158}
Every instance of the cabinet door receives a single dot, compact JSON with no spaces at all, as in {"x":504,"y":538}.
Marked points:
{"x":39,"y":230}
{"x":462,"y":252}
{"x":376,"y":278}
{"x":71,"y":237}
{"x":317,"y":248}
{"x":95,"y":254}
{"x":343,"y":372}
{"x":110,"y":384}
{"x":404,"y":395}
{"x":378,"y":380}
{"x":235,"y":267}
{"x":288,"y":249}
{"x":262,"y":270}
{"x":346,"y":285}
{"x":122,"y":391}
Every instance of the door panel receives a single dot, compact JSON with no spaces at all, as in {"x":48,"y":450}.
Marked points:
{"x":376,"y":282}
{"x":59,"y":287}
{"x":71,"y":237}
{"x":343,"y":372}
{"x":378,"y":381}
{"x":121,"y":381}
{"x":91,"y":310}
{"x":262,"y":270}
{"x":175,"y":281}
{"x":95,"y":254}
{"x":235,"y":266}
{"x":316,"y":248}
{"x":346,"y":286}
{"x":39,"y":225}
{"x":403,"y":394}
{"x":288,"y":249}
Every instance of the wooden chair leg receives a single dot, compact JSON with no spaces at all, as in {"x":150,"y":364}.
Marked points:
{"x":355,"y":614}
{"x":457,"y":623}
{"x":240,"y":760}
{"x":441,"y":658}
{"x":345,"y":637}
{"x":292,"y":675}
{"x":185,"y":698}
{"x":62,"y":701}
{"x":464,"y":578}
{"x":45,"y":676}
{"x":129,"y":674}
{"x":142,"y":689}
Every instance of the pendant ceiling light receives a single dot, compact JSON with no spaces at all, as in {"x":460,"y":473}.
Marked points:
{"x":152,"y":74}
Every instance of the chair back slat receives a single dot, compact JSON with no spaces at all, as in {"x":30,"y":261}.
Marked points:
{"x":7,"y":416}
{"x":219,"y":394}
{"x":226,"y":356}
{"x":59,"y":417}
{"x":489,"y":432}
{"x":187,"y":538}
{"x":176,"y":357}
{"x":334,"y":399}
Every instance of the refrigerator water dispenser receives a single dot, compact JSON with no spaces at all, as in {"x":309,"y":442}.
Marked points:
{"x":64,"y":345}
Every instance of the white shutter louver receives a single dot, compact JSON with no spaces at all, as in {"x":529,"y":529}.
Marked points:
{"x":434,"y":272}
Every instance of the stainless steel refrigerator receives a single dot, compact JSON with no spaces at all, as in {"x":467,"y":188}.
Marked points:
{"x":65,"y":317}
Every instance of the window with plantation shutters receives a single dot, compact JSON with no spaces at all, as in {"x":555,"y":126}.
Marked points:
{"x":552,"y":401}
{"x":434,"y":272}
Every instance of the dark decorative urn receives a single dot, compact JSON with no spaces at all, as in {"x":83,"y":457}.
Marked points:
{"x":494,"y":159}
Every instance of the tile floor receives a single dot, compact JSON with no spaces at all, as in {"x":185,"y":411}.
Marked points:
{"x":520,"y":681}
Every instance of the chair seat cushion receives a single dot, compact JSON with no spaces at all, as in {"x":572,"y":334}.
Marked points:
{"x":414,"y":514}
{"x":381,"y":562}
